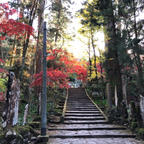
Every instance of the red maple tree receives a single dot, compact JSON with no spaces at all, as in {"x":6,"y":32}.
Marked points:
{"x":60,"y":65}
{"x":9,"y":26}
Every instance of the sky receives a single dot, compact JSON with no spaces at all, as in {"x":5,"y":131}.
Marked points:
{"x":79,"y":45}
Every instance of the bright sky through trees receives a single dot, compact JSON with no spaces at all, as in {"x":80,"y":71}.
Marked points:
{"x":79,"y":44}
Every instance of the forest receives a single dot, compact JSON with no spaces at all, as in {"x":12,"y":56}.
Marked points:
{"x":113,"y":77}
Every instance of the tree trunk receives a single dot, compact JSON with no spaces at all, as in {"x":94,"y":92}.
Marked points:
{"x":26,"y":42}
{"x":89,"y":54}
{"x":113,"y":66}
{"x":138,"y":52}
{"x":94,"y":51}
{"x":59,"y":4}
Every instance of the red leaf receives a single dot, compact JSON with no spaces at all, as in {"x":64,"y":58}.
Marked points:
{"x":2,"y":96}
{"x":2,"y":61}
{"x":2,"y":38}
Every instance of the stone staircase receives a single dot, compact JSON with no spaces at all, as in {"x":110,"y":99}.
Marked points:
{"x":85,"y":124}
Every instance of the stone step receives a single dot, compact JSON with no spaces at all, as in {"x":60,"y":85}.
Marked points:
{"x":82,"y":111}
{"x":84,"y":106}
{"x":95,"y":141}
{"x":92,"y":136}
{"x":83,"y":115}
{"x":89,"y":118}
{"x":87,"y":101}
{"x":68,"y":112}
{"x":68,"y":126}
{"x":73,"y":109}
{"x":85,"y":122}
{"x":80,"y":104}
{"x":93,"y":132}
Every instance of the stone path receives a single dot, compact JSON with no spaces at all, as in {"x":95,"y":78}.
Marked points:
{"x":85,"y":124}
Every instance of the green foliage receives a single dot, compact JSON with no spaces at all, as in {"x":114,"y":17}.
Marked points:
{"x":140,"y":133}
{"x":3,"y":84}
{"x":132,"y":89}
{"x":58,"y":18}
{"x":56,"y":98}
{"x":113,"y":115}
{"x":134,"y":125}
{"x":96,"y":89}
{"x":101,"y":103}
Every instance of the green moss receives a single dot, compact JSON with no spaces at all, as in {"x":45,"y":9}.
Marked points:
{"x":34,"y":124}
{"x":1,"y":133}
{"x":37,"y":119}
{"x":133,"y":125}
{"x":22,"y":130}
{"x":1,"y":136}
{"x":140,"y":133}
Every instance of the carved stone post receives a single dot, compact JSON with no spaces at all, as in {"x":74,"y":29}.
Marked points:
{"x":142,"y":107}
{"x":10,"y":113}
{"x":108,"y":94}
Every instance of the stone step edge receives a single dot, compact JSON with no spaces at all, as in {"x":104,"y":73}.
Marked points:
{"x":82,"y":115}
{"x":83,"y":112}
{"x":92,"y":136}
{"x":82,"y":109}
{"x":92,"y":119}
{"x":88,"y":129}
{"x":85,"y":123}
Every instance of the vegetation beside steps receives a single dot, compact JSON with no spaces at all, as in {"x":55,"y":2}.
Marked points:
{"x":17,"y":135}
{"x":129,"y":117}
{"x":29,"y":133}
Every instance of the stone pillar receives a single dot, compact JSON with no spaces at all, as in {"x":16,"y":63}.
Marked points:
{"x":142,"y":107}
{"x":108,"y":94}
{"x":10,"y":113}
{"x":25,"y":114}
{"x":124,"y":88}
{"x":116,"y":97}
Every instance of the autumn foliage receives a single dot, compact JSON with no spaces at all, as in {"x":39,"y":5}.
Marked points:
{"x":60,"y":65}
{"x":9,"y":26}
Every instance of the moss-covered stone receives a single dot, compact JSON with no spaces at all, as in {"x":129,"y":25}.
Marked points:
{"x":24,"y":131}
{"x":1,"y":135}
{"x":17,"y":135}
{"x":42,"y":139}
{"x":37,"y":119}
{"x":34,"y":124}
{"x":12,"y":136}
{"x":54,"y":119}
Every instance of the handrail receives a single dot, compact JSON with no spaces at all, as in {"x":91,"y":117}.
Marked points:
{"x":96,"y":106}
{"x":65,"y":105}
